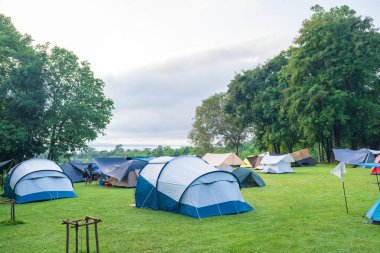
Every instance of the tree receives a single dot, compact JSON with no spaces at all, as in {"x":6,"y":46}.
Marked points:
{"x":214,"y":127}
{"x":22,"y":94}
{"x":333,"y":76}
{"x":76,"y":109}
{"x":256,"y":97}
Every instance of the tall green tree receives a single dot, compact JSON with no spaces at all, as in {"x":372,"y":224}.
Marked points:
{"x":213,"y":126}
{"x":333,"y":76}
{"x":256,"y":97}
{"x":76,"y":108}
{"x":22,"y":94}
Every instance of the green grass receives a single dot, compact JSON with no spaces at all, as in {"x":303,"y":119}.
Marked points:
{"x":300,"y":212}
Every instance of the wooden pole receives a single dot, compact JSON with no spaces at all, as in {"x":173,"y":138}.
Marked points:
{"x":345,"y":198}
{"x":13,"y":213}
{"x":96,"y":236}
{"x":67,"y":237}
{"x":2,"y":181}
{"x":76,"y":238}
{"x":87,"y":237}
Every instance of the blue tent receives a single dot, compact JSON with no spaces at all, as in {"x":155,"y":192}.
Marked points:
{"x":373,"y":213}
{"x":106,"y":164}
{"x":355,"y":156}
{"x":190,"y":186}
{"x":122,"y":172}
{"x":5,"y":165}
{"x":37,"y":179}
{"x":75,"y":170}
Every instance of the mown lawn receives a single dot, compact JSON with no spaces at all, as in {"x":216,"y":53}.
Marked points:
{"x":300,"y":212}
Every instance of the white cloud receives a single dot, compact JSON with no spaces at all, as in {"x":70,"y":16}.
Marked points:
{"x":161,"y":58}
{"x":158,"y":102}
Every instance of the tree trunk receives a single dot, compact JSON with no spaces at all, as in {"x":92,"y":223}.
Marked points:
{"x":290,"y":147}
{"x":329,"y":149}
{"x":335,"y":135}
{"x":237,"y":149}
{"x":51,"y":152}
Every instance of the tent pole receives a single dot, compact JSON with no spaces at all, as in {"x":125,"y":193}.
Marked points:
{"x":345,"y":198}
{"x":2,"y":181}
{"x":377,"y":178}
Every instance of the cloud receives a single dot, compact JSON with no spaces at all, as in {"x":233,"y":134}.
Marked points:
{"x":157,"y":102}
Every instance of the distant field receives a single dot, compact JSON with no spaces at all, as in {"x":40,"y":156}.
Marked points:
{"x":300,"y":212}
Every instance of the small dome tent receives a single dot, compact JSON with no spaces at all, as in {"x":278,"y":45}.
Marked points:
{"x":37,"y":179}
{"x":248,"y":178}
{"x":373,"y":214}
{"x":190,"y":186}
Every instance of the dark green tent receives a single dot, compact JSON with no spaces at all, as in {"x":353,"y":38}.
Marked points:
{"x":248,"y":178}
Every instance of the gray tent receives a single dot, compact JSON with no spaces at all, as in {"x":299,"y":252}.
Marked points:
{"x":355,"y":156}
{"x":75,"y":170}
{"x":121,"y":172}
{"x":248,"y":178}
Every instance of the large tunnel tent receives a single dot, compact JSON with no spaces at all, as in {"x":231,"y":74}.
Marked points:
{"x":190,"y":186}
{"x":36,"y":180}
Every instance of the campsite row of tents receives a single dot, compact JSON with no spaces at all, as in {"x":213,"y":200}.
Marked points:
{"x":188,"y":185}
{"x":185,"y":184}
{"x":38,"y":179}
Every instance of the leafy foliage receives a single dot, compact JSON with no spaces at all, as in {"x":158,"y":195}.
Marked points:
{"x":256,"y":96}
{"x":333,"y":80}
{"x":213,"y":126}
{"x":76,"y":109}
{"x":49,"y":100}
{"x":22,"y":95}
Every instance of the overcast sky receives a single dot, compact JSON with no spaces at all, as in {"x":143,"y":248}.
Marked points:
{"x":160,"y":59}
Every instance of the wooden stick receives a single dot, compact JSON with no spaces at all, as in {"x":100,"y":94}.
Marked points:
{"x":76,"y":239}
{"x":87,"y":237}
{"x":67,"y":237}
{"x":13,"y":213}
{"x":345,"y":198}
{"x":96,"y":237}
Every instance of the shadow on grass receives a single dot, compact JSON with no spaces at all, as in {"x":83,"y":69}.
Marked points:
{"x":11,"y":222}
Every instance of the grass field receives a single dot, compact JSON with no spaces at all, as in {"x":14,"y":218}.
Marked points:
{"x":300,"y":212}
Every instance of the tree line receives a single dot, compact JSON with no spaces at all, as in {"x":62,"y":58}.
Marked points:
{"x":322,"y":92}
{"x":50,"y":102}
{"x":90,"y":153}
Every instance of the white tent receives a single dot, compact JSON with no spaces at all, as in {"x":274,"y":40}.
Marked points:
{"x":36,"y":180}
{"x":223,"y":161}
{"x":277,"y":164}
{"x":190,"y":186}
